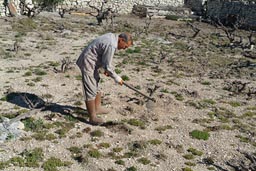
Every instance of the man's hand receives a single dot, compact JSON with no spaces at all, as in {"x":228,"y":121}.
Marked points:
{"x":119,"y":80}
{"x":106,"y":73}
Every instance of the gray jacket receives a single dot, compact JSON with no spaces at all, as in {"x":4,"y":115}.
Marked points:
{"x":99,"y":53}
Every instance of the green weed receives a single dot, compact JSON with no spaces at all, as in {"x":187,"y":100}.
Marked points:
{"x":200,"y":135}
{"x":120,"y":162}
{"x":155,"y":142}
{"x":97,"y":133}
{"x":189,"y":156}
{"x":144,"y":160}
{"x":94,"y":153}
{"x":136,"y":122}
{"x":195,"y":152}
{"x":52,"y":163}
{"x":163,"y":128}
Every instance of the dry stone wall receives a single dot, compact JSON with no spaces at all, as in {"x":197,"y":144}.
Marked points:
{"x":124,"y":6}
{"x":222,"y":8}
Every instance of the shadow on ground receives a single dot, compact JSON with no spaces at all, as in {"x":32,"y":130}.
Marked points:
{"x":32,"y":101}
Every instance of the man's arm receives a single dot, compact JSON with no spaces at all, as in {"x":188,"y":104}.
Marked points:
{"x":107,"y":57}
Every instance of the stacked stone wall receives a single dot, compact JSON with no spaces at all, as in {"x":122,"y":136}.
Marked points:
{"x":124,"y":6}
{"x":243,"y":9}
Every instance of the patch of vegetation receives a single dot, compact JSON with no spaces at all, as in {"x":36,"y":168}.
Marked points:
{"x":24,"y":25}
{"x":163,"y":128}
{"x":52,"y":163}
{"x":187,"y":169}
{"x":65,"y":128}
{"x":37,"y":79}
{"x":189,"y":156}
{"x":118,"y":71}
{"x":136,"y":122}
{"x":155,"y":142}
{"x":195,"y":151}
{"x":40,"y":72}
{"x":222,"y":114}
{"x":135,"y":50}
{"x":144,"y":160}
{"x":206,"y":83}
{"x":164,"y":90}
{"x":172,"y":17}
{"x":104,"y":145}
{"x":200,"y":135}
{"x":234,"y":104}
{"x":180,"y":45}
{"x":33,"y":125}
{"x":248,"y":114}
{"x":130,"y":154}
{"x":125,"y":78}
{"x":120,"y":162}
{"x":32,"y":157}
{"x":75,"y":150}
{"x":94,"y":153}
{"x":43,"y":135}
{"x":27,"y":74}
{"x":97,"y":133}
{"x":177,"y":96}
{"x":190,"y":164}
{"x":117,"y":149}
{"x":78,"y":77}
{"x":131,"y":169}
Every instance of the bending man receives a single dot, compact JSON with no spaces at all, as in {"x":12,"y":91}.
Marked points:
{"x":99,"y":54}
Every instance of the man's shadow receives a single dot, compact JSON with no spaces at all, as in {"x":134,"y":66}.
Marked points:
{"x":32,"y":101}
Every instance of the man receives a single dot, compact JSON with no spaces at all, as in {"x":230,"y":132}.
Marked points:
{"x":99,"y":54}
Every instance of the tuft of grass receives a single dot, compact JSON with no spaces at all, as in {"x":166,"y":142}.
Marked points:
{"x":234,"y":104}
{"x":32,"y":157}
{"x":40,"y":72}
{"x":144,"y":160}
{"x":125,"y":78}
{"x":27,"y":74}
{"x":94,"y":153}
{"x":52,"y":163}
{"x":117,"y":149}
{"x":37,"y":79}
{"x":172,"y":17}
{"x":118,"y":71}
{"x":33,"y":125}
{"x":177,"y":96}
{"x":24,"y":25}
{"x":248,"y":114}
{"x":136,"y":122}
{"x":155,"y":142}
{"x":104,"y":145}
{"x":120,"y":162}
{"x":75,"y":150}
{"x":200,"y":135}
{"x":195,"y":151}
{"x":163,"y":128}
{"x":97,"y":133}
{"x":190,"y":164}
{"x":131,"y":169}
{"x":206,"y":83}
{"x":189,"y":156}
{"x":187,"y":169}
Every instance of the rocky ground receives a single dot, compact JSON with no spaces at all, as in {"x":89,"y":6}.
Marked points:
{"x":203,"y":118}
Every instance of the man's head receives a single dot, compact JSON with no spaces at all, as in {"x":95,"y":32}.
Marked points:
{"x":124,"y":41}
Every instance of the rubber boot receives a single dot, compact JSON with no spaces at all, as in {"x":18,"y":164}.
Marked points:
{"x":99,"y":108}
{"x":93,"y":119}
